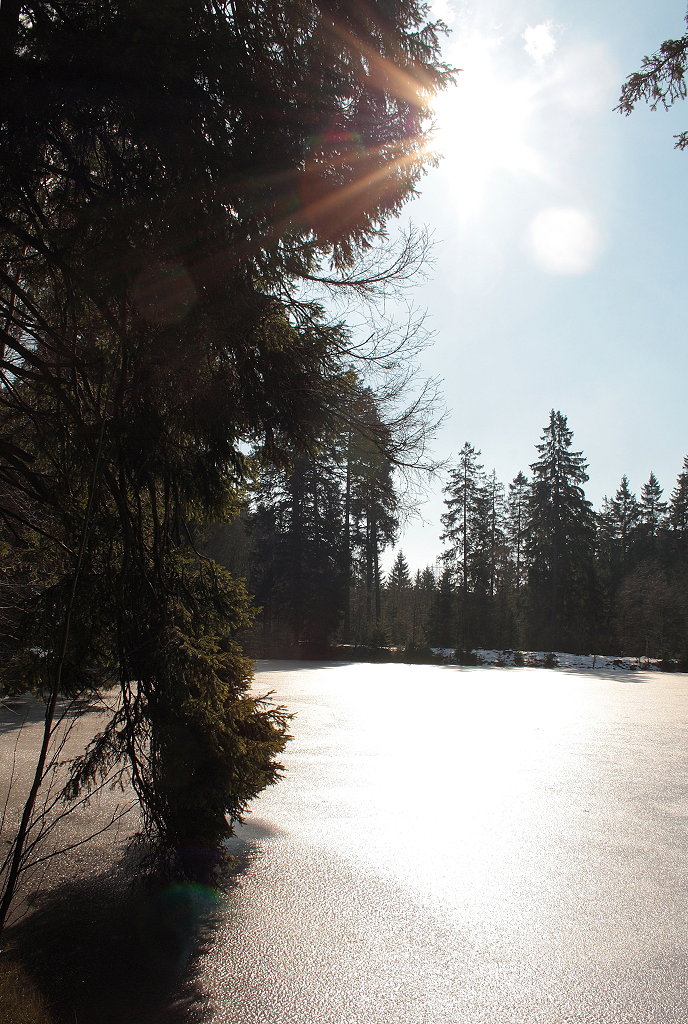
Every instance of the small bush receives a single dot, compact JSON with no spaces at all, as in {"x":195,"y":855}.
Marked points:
{"x":519,"y":660}
{"x":466,"y":657}
{"x":550,"y":660}
{"x":419,"y":654}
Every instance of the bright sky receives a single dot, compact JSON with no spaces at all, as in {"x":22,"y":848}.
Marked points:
{"x":560,"y":246}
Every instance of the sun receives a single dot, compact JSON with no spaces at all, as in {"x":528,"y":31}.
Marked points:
{"x":483,"y":124}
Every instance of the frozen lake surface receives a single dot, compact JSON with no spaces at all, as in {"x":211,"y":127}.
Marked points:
{"x":458,"y":845}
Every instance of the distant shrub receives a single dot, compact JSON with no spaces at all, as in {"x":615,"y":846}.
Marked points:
{"x":519,"y":660}
{"x":673,"y":665}
{"x":550,"y":660}
{"x":420,"y":654}
{"x":466,"y":657}
{"x":364,"y":652}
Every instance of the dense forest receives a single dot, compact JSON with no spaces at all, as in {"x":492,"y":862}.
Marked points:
{"x":526,"y":566}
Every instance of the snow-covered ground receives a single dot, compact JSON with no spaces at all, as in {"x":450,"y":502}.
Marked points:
{"x":556,"y":659}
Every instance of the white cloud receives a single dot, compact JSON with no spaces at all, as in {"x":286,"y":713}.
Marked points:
{"x":442,"y":10}
{"x":539,"y":42}
{"x":564,"y":240}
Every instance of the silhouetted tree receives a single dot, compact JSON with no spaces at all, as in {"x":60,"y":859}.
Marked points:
{"x":652,"y":508}
{"x":170,"y":176}
{"x":461,"y":522}
{"x":560,"y":542}
{"x":399,"y":601}
{"x":297,"y":559}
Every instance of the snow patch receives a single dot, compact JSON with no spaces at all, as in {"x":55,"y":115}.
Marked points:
{"x":553,"y":659}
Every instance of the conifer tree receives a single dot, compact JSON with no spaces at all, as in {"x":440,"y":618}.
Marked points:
{"x":516,"y":523}
{"x":678,"y":506}
{"x":625,"y":515}
{"x":560,"y":542}
{"x":492,"y":529}
{"x":398,"y":600}
{"x":652,"y":508}
{"x":170,"y":175}
{"x":442,"y":624}
{"x":617,"y":544}
{"x":370,"y":514}
{"x":297,"y":563}
{"x":461,"y":521}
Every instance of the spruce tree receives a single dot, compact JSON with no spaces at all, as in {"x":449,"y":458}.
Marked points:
{"x":617,"y":549}
{"x":297,"y":558}
{"x":462,"y":534}
{"x":516,"y":525}
{"x":442,"y":623}
{"x":652,"y":509}
{"x":398,"y":601}
{"x":678,"y":514}
{"x":678,"y":506}
{"x":170,"y":176}
{"x":560,"y":543}
{"x":624,"y":517}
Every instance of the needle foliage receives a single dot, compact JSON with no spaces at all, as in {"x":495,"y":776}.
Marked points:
{"x":173,"y":178}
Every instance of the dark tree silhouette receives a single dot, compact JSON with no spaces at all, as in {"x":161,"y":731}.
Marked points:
{"x":560,"y":541}
{"x":170,"y":176}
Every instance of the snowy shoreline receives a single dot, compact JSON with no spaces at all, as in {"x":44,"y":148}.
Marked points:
{"x":553,"y":659}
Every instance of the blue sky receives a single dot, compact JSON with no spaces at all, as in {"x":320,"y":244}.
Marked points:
{"x":559,"y":246}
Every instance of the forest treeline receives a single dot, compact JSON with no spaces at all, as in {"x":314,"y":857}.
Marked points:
{"x":530,"y":565}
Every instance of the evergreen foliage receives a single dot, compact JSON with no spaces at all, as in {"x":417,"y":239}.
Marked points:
{"x":560,"y":541}
{"x":678,"y":506}
{"x":170,"y":177}
{"x":462,"y":532}
{"x":399,"y":601}
{"x":564,"y":577}
{"x":652,"y":509}
{"x":297,"y":564}
{"x":660,"y":82}
{"x":619,"y":595}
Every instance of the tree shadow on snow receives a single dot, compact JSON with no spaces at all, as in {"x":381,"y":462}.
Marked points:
{"x":104,"y":951}
{"x":16,"y":712}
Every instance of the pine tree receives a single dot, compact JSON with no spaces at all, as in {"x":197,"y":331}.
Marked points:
{"x":464,"y":495}
{"x":442,"y":625}
{"x":297,"y":562}
{"x":398,"y":601}
{"x":617,"y":539}
{"x":372,"y":521}
{"x":493,"y":533}
{"x":624,"y":517}
{"x":170,"y":175}
{"x":560,"y":543}
{"x":652,"y":509}
{"x":422,"y":598}
{"x":678,"y":506}
{"x":516,"y":524}
{"x":370,"y":510}
{"x":678,"y":561}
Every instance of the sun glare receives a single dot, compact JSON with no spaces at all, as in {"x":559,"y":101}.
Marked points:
{"x":482,"y":126}
{"x":564,"y":240}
